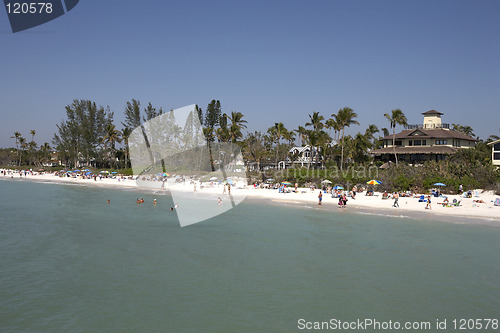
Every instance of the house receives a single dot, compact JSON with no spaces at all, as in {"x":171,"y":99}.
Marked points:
{"x":431,"y":140}
{"x":495,"y":152}
{"x":301,"y":155}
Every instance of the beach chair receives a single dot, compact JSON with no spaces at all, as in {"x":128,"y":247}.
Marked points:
{"x":476,"y":194}
{"x":457,"y":204}
{"x":422,"y":198}
{"x":497,"y":202}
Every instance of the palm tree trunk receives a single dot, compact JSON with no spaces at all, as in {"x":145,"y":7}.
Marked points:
{"x":342,"y":155}
{"x":394,"y":144}
{"x":277,"y":153}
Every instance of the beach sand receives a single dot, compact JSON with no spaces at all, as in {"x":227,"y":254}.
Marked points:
{"x":468,"y":206}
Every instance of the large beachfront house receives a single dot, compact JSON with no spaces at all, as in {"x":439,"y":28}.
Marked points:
{"x":495,"y":152}
{"x":301,"y":155}
{"x":432,"y":140}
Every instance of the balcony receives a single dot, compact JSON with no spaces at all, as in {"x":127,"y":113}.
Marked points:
{"x":427,"y":126}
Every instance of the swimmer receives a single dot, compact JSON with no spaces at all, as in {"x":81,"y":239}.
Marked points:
{"x":154,"y":202}
{"x":107,"y":202}
{"x":219,"y":201}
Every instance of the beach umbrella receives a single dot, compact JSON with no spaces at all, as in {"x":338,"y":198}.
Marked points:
{"x":270,"y":180}
{"x":104,"y":171}
{"x":114,"y":172}
{"x":286,"y":183}
{"x":374,"y":182}
{"x":86,"y":170}
{"x":338,"y":188}
{"x":230,"y":181}
{"x":439,"y":184}
{"x":213,"y":178}
{"x":165,"y":174}
{"x":326,"y":181}
{"x":76,"y":170}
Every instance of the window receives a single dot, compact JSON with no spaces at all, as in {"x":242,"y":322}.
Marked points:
{"x":496,"y":156}
{"x":424,"y":142}
{"x":441,"y":142}
{"x":399,"y":143}
{"x":418,"y":142}
{"x":410,"y":143}
{"x":496,"y":147}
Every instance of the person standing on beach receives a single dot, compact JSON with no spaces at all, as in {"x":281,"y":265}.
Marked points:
{"x":428,"y":203}
{"x":320,"y":198}
{"x":296,"y":187}
{"x":396,"y":199}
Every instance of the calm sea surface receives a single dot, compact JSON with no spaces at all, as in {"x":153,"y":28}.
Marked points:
{"x":71,"y":263}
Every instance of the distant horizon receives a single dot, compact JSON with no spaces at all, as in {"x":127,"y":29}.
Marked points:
{"x":272,"y":61}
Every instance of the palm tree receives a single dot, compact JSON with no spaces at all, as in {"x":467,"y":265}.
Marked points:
{"x":331,"y":124}
{"x":277,"y":132}
{"x":467,"y":130}
{"x":22,"y":143}
{"x":397,"y":117}
{"x":126,"y":131}
{"x":369,"y":133}
{"x":16,"y":136}
{"x":315,"y":120}
{"x":208,"y":132}
{"x":345,"y":118}
{"x":33,"y":132}
{"x":254,"y":149}
{"x":112,"y":136}
{"x":302,"y":133}
{"x":237,"y":124}
{"x":32,"y":145}
{"x":45,"y":152}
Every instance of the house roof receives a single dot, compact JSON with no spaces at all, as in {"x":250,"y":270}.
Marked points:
{"x":493,"y":142}
{"x":432,"y":112}
{"x":415,"y":150}
{"x":435,"y":133}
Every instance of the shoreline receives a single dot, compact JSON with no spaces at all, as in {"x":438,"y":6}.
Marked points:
{"x":370,"y":205}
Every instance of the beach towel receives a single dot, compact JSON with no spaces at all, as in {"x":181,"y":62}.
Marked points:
{"x":497,"y":202}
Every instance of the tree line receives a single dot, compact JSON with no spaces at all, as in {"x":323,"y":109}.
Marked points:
{"x":89,"y":137}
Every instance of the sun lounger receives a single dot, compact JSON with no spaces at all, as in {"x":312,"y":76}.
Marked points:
{"x":422,"y":198}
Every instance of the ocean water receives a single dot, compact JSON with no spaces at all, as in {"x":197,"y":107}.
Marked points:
{"x":72,"y":263}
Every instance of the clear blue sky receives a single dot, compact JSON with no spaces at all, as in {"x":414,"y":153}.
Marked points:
{"x":272,"y":60}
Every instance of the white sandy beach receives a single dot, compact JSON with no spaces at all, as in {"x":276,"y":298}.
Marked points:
{"x":469,"y":207}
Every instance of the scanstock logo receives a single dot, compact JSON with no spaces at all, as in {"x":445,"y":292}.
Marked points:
{"x":26,"y":14}
{"x":171,"y":153}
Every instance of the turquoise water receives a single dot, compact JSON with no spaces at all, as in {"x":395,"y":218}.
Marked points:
{"x":71,"y":263}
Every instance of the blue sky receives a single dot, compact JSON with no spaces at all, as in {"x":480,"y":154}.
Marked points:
{"x":271,"y":60}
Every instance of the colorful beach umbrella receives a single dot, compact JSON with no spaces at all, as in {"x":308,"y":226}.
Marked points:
{"x":374,"y":182}
{"x":338,"y":187}
{"x":286,"y":183}
{"x":76,"y":170}
{"x":165,"y":174}
{"x":114,"y":172}
{"x":104,"y":171}
{"x":439,"y":184}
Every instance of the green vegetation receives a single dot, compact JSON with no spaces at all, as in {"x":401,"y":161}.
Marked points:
{"x":88,"y":137}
